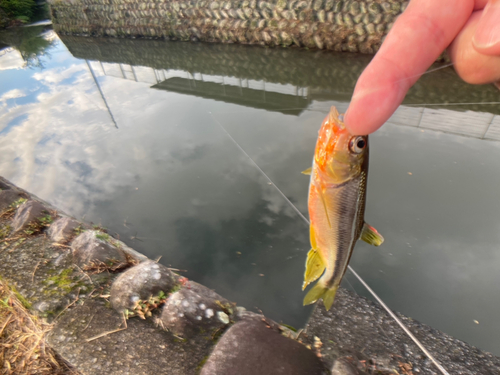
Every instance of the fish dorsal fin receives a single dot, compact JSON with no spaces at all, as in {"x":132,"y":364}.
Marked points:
{"x":314,"y":268}
{"x":307,"y":171}
{"x":370,"y":235}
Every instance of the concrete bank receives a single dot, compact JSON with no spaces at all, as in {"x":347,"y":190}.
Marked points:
{"x":116,"y":312}
{"x":354,"y":26}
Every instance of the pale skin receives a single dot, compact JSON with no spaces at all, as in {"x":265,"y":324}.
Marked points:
{"x":468,"y":29}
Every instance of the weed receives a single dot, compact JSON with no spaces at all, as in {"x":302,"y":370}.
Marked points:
{"x":144,"y":308}
{"x":5,"y":231}
{"x":99,"y":228}
{"x":9,"y":212}
{"x":23,"y":349}
{"x":40,"y":224}
{"x":79,"y":230}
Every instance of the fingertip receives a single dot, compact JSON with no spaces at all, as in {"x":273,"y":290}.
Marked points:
{"x":486,"y":39}
{"x":359,"y":124}
{"x":368,"y":112}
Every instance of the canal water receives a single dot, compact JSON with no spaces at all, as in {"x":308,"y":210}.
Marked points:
{"x":184,"y":151}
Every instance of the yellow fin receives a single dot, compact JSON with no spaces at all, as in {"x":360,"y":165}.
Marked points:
{"x":319,"y":291}
{"x":307,"y":171}
{"x":312,"y":237}
{"x":314,"y":268}
{"x":370,"y":235}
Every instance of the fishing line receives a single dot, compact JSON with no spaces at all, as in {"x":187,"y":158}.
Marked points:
{"x":401,"y":324}
{"x":426,"y":72}
{"x":398,"y":321}
{"x":444,"y":104}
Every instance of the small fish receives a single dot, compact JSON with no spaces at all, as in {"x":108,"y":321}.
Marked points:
{"x":336,"y":203}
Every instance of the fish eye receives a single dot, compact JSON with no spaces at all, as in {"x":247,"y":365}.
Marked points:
{"x":357,"y":144}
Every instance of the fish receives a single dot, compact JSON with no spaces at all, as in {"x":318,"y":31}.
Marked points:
{"x":336,"y":203}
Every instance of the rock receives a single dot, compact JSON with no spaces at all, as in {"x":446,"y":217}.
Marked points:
{"x":139,"y":349}
{"x":343,"y":367}
{"x":92,"y":246}
{"x":28,"y":212}
{"x":252,"y":348}
{"x":196,"y":309}
{"x":243,"y":314}
{"x":139,"y":283}
{"x":63,"y":229}
{"x":374,"y":8}
{"x":7,"y":197}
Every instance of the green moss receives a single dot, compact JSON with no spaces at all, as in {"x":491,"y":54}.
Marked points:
{"x":5,"y":231}
{"x":176,"y":288}
{"x":102,"y":236}
{"x":17,"y":203}
{"x":63,"y":280}
{"x":202,"y":363}
{"x":289,"y":327}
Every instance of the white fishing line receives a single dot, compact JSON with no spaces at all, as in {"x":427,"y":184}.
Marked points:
{"x":426,"y":72}
{"x":401,"y":324}
{"x":306,"y":220}
{"x":445,"y":104}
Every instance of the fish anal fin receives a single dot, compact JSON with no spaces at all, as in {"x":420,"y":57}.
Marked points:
{"x":314,"y":268}
{"x":307,"y":171}
{"x":320,"y":291}
{"x":370,"y":235}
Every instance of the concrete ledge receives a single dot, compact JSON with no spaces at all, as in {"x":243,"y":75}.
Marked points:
{"x":178,"y":327}
{"x":364,"y":334}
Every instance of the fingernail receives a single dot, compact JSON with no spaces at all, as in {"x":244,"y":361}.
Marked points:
{"x":488,"y":29}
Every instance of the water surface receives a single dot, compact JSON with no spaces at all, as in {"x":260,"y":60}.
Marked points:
{"x":183,"y":151}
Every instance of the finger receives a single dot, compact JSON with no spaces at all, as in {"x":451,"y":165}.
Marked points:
{"x":486,"y":39}
{"x":417,"y":38}
{"x":471,"y":65}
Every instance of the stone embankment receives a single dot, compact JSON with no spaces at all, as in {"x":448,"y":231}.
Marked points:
{"x":354,"y":26}
{"x":114,"y":311}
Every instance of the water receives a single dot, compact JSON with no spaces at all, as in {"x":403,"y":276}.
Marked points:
{"x":159,"y":142}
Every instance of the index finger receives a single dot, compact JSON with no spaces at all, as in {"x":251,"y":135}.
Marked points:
{"x":415,"y":41}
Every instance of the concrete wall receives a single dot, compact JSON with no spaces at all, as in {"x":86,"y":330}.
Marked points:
{"x":355,"y":26}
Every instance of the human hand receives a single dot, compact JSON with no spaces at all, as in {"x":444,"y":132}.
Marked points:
{"x":469,"y":28}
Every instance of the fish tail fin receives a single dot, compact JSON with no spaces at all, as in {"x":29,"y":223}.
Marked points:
{"x":321,"y":291}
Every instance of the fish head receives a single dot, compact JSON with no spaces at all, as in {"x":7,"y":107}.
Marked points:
{"x":339,"y":155}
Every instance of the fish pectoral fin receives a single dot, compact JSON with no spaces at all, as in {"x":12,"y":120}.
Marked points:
{"x":307,"y":171}
{"x":314,"y":268}
{"x":370,"y":235}
{"x":320,"y":291}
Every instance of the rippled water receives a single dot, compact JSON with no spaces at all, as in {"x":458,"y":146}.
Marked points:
{"x":180,"y":150}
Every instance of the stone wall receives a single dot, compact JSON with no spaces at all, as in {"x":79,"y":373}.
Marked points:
{"x":355,"y":26}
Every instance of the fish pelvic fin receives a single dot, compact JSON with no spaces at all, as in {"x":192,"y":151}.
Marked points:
{"x":307,"y":171}
{"x":314,"y":267}
{"x":320,"y":291}
{"x":370,"y":235}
